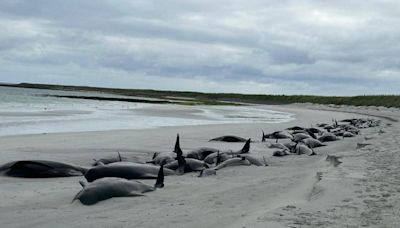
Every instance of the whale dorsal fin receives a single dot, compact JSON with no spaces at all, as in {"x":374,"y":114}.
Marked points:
{"x":181,"y":163}
{"x":119,"y":156}
{"x":246,"y":147}
{"x":177,"y":144}
{"x":182,"y":166}
{"x":218,"y":158}
{"x":265,"y":161}
{"x":160,"y":178}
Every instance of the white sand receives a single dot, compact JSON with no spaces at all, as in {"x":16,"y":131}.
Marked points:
{"x":293,"y":191}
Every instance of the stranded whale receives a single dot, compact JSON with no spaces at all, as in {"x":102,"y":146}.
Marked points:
{"x":41,"y":169}
{"x":106,"y":188}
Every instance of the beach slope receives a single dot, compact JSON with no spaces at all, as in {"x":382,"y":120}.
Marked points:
{"x":292,"y":191}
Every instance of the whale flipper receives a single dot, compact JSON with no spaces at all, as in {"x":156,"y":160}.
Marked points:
{"x":99,"y":163}
{"x":82,"y":183}
{"x":135,"y":193}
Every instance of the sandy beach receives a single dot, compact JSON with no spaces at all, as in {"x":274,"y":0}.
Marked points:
{"x":292,"y":191}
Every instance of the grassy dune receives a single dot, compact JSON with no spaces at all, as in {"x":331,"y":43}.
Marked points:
{"x":222,"y":98}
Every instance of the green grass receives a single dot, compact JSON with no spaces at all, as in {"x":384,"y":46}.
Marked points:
{"x":221,"y":98}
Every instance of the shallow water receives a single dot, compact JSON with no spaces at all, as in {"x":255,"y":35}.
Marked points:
{"x":27,"y":111}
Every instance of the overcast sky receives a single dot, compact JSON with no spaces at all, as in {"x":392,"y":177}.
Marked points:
{"x":270,"y":47}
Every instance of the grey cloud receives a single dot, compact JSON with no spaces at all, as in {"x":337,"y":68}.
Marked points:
{"x":290,"y":46}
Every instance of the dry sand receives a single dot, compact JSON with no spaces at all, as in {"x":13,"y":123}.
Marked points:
{"x":293,"y":191}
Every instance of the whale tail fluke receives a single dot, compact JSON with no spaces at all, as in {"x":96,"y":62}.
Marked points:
{"x":160,"y":178}
{"x":263,"y":137}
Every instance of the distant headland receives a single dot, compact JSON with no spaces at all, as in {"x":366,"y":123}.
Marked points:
{"x":200,"y":98}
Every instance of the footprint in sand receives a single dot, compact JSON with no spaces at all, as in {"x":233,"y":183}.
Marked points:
{"x":386,"y":195}
{"x":347,"y":200}
{"x":219,"y":203}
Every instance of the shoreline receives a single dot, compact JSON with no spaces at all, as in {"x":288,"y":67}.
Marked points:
{"x":293,"y":191}
{"x":92,"y":117}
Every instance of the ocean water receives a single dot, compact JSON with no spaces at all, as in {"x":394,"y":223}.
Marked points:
{"x":29,"y":111}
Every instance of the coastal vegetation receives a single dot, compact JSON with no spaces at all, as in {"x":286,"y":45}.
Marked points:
{"x":196,"y":98}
